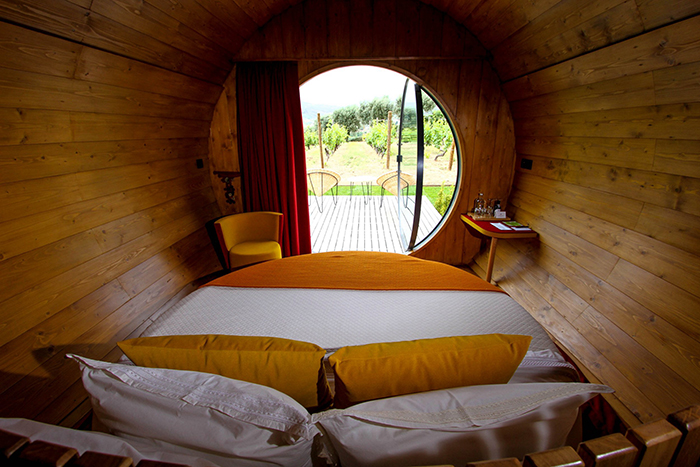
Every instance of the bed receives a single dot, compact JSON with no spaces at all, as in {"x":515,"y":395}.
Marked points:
{"x":353,"y":298}
{"x":334,"y":307}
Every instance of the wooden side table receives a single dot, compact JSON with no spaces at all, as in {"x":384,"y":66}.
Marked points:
{"x":488,"y":229}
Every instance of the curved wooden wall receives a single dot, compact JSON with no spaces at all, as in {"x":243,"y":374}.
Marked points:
{"x":444,"y":57}
{"x":614,"y":140}
{"x":103,"y":206}
{"x":106,"y":105}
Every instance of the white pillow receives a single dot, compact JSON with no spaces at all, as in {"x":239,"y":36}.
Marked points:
{"x":456,"y":426}
{"x":84,"y":441}
{"x":230,"y":422}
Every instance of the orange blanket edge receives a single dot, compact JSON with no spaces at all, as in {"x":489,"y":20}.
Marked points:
{"x":356,"y":270}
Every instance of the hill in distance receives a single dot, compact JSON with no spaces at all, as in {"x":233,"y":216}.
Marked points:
{"x":309,"y":111}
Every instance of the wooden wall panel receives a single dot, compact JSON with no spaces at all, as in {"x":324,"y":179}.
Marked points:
{"x":614,"y":192}
{"x":61,"y":18}
{"x":223,"y":147}
{"x":571,"y":29}
{"x":103,"y":205}
{"x":665,"y":47}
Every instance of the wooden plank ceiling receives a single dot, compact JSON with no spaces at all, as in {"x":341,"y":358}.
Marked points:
{"x":106,"y":105}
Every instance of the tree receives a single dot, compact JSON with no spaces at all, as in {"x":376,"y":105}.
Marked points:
{"x":349,"y":117}
{"x":410,"y":109}
{"x":377,"y":109}
{"x":428,"y":104}
{"x":409,"y":118}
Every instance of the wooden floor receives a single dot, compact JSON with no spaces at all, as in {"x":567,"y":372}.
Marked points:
{"x":359,"y":223}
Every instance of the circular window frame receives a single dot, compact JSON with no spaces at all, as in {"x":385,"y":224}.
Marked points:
{"x":456,"y":194}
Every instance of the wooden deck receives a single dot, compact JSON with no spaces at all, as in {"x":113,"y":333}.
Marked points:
{"x":353,"y":224}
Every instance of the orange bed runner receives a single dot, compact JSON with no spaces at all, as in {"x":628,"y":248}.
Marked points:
{"x":359,"y":270}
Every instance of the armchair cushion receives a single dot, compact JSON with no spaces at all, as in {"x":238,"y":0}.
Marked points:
{"x":250,"y":237}
{"x":253,"y":252}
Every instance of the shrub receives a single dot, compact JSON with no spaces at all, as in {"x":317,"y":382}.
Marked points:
{"x":443,"y":199}
{"x":376,"y":136}
{"x":334,"y":136}
{"x":310,"y":136}
{"x":438,"y":132}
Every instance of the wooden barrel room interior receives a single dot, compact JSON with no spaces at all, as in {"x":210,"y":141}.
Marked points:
{"x":584,"y":116}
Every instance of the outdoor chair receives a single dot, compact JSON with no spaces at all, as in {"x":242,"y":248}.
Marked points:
{"x":249,"y":238}
{"x":320,"y":182}
{"x":390,"y":182}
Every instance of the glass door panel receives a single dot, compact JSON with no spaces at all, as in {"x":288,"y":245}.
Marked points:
{"x":407,"y":163}
{"x":440,"y":167}
{"x":428,"y":172}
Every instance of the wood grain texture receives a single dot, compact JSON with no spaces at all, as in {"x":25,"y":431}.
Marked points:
{"x":614,"y":159}
{"x":570,"y":30}
{"x":79,"y":24}
{"x":96,"y":189}
{"x":666,"y":47}
{"x":556,"y":309}
{"x":368,"y":30}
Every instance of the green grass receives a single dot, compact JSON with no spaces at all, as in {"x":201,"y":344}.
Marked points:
{"x":357,"y":158}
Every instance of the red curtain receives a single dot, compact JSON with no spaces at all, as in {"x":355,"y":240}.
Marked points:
{"x":271,"y":148}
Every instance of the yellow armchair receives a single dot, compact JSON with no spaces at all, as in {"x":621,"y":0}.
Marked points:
{"x":249,"y":237}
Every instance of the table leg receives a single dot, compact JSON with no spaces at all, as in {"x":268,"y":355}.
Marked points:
{"x":492,"y":257}
{"x":366,"y":187}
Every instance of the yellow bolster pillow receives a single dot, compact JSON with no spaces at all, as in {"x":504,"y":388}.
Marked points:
{"x":291,"y":367}
{"x":374,"y":371}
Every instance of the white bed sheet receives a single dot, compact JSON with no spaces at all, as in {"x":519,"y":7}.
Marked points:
{"x":333,"y":318}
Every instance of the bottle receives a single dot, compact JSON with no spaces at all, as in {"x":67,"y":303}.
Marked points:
{"x":495,"y":208}
{"x":479,"y":205}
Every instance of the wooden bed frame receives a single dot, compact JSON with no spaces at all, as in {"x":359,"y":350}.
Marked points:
{"x":674,"y":442}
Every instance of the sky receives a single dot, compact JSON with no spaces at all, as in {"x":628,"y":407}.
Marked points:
{"x":352,"y":85}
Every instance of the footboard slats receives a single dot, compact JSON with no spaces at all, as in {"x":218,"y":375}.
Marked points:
{"x":509,"y":462}
{"x":18,"y":451}
{"x":94,"y":459}
{"x":656,"y":442}
{"x":560,"y":457}
{"x":608,"y":451}
{"x":10,"y":444}
{"x":688,"y":422}
{"x":46,"y":454}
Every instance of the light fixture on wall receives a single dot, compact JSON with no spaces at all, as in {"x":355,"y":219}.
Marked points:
{"x":229,"y":189}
